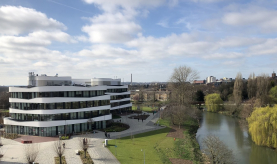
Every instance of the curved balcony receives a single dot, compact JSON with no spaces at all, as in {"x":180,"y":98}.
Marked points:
{"x":121,"y":106}
{"x":9,"y":121}
{"x":59,"y":111}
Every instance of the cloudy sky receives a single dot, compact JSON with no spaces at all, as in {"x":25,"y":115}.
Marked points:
{"x":148,"y":38}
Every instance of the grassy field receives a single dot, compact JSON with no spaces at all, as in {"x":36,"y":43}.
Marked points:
{"x":157,"y":146}
{"x":145,"y":108}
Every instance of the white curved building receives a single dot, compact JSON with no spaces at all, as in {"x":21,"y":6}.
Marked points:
{"x":50,"y":105}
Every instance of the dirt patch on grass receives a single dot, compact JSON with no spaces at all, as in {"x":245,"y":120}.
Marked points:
{"x":180,"y":161}
{"x":175,"y":132}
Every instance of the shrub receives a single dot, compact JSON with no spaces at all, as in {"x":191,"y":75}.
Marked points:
{"x":11,"y":135}
{"x":65,"y":137}
{"x":213,"y":101}
{"x":263,"y":126}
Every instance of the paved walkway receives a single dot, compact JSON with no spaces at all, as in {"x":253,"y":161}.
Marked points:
{"x":14,"y":151}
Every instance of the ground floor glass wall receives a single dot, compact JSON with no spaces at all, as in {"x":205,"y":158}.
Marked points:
{"x":55,"y":130}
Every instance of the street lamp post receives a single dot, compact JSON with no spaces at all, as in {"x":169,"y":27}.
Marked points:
{"x":143,"y":156}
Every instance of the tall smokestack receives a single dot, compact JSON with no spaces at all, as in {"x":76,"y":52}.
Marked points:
{"x":131,"y":80}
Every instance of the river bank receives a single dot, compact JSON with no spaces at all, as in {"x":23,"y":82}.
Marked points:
{"x":236,"y":137}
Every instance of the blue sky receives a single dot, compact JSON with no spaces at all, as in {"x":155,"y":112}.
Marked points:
{"x":101,"y":38}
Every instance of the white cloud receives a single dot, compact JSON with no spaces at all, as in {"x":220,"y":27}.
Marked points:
{"x":18,"y":20}
{"x":54,"y":35}
{"x":163,"y":23}
{"x":111,"y":28}
{"x":253,"y":16}
{"x":107,"y":51}
{"x":266,"y":48}
{"x":226,"y":55}
{"x":114,"y":4}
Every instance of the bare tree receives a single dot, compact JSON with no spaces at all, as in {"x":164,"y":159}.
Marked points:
{"x":59,"y":149}
{"x":176,"y":114}
{"x":252,"y":86}
{"x":217,"y":151}
{"x":180,"y":84}
{"x":4,"y":100}
{"x":238,"y":87}
{"x":31,"y":152}
{"x":84,"y":144}
{"x":263,"y":86}
{"x":141,"y":93}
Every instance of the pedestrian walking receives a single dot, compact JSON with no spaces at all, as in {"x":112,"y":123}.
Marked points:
{"x":105,"y":134}
{"x":153,"y":112}
{"x":63,"y":145}
{"x":86,"y":141}
{"x":142,"y":119}
{"x":138,"y":119}
{"x":109,"y":135}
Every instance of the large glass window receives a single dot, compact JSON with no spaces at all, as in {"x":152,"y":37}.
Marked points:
{"x":75,"y":105}
{"x":83,"y":104}
{"x":79,"y":94}
{"x":80,"y":115}
{"x":73,"y":115}
{"x":59,"y":105}
{"x":68,"y":105}
{"x":89,"y":104}
{"x":87,"y":114}
{"x":96,"y":102}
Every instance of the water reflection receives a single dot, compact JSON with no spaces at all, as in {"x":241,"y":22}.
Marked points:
{"x":236,"y":138}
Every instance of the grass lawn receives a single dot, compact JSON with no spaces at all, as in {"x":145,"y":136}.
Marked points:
{"x":158,"y":147}
{"x":145,"y":108}
{"x":129,"y":151}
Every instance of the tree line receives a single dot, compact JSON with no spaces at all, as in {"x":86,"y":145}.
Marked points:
{"x":253,"y":100}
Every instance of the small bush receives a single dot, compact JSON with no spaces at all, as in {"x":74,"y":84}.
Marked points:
{"x":65,"y":137}
{"x":11,"y":135}
{"x":57,"y":160}
{"x":86,"y":160}
{"x":116,"y":126}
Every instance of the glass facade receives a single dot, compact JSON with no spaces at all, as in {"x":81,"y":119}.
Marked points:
{"x":120,"y":103}
{"x":117,"y":90}
{"x":119,"y":97}
{"x":64,"y":116}
{"x":31,"y":95}
{"x":61,"y":105}
{"x":55,"y":130}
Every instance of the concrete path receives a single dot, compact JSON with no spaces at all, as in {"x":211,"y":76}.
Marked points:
{"x":14,"y":151}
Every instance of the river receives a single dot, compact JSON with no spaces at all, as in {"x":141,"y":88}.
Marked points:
{"x":236,"y":138}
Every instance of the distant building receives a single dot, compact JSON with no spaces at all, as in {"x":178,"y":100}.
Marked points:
{"x":199,"y":82}
{"x":211,"y":79}
{"x":274,"y":75}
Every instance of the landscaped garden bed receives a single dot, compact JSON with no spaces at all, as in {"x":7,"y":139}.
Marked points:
{"x":86,"y":160}
{"x":116,"y":127}
{"x":57,"y":160}
{"x":11,"y":135}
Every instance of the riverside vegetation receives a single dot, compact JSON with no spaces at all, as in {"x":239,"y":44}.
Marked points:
{"x":252,"y":101}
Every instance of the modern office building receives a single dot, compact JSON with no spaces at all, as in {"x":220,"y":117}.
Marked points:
{"x":210,"y":79}
{"x":53,"y":105}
